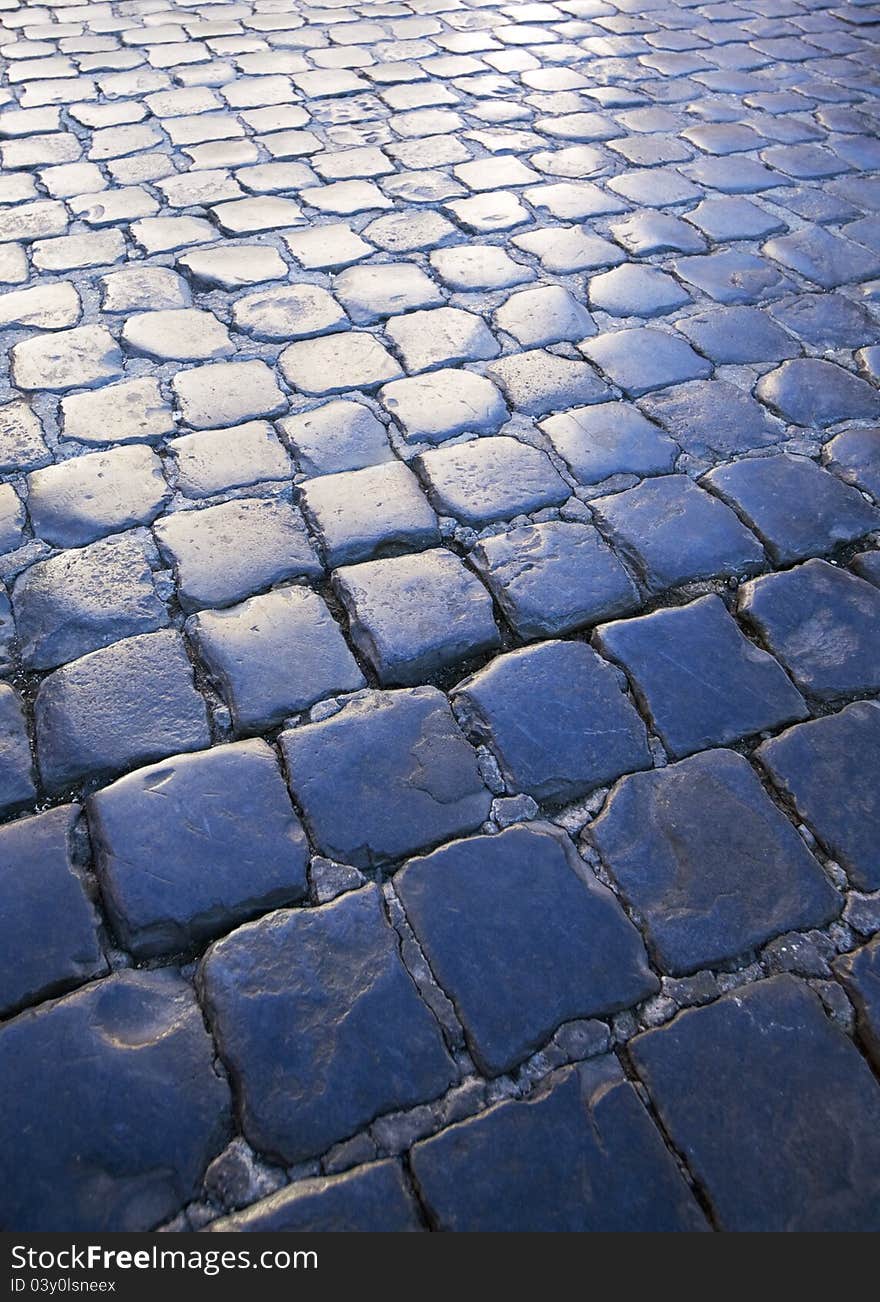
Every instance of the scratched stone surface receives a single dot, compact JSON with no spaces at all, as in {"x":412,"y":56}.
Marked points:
{"x":439,"y":614}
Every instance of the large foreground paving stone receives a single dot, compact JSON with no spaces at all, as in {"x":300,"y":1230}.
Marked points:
{"x":126,"y":704}
{"x":773,"y":1108}
{"x":822,"y":623}
{"x":522,"y":939}
{"x":700,"y":680}
{"x":388,"y":775}
{"x":379,"y":510}
{"x":830,"y":770}
{"x":581,"y":1154}
{"x":557,"y":718}
{"x":76,"y":501}
{"x":113,"y":1108}
{"x":48,"y":928}
{"x":370,"y":1199}
{"x":860,"y":974}
{"x":190,"y":847}
{"x":320,"y":1025}
{"x":708,"y":862}
{"x":711,"y":419}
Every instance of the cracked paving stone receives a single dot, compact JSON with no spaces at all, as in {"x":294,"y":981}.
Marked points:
{"x":609,"y":438}
{"x":554,"y":578}
{"x":822,"y":623}
{"x":182,"y":335}
{"x":811,"y":391}
{"x":373,"y":1198}
{"x":82,"y":499}
{"x":860,"y":974}
{"x":222,"y":830}
{"x":274,"y":655}
{"x":579,"y":1154}
{"x":796,"y":508}
{"x":634,"y":290}
{"x":384,"y":289}
{"x":854,"y":456}
{"x":288,"y":312}
{"x":413,"y":616}
{"x":334,"y":363}
{"x":825,"y":320}
{"x":825,"y":259}
{"x":548,"y":315}
{"x":142,"y":289}
{"x":145,"y":1110}
{"x":213,"y":461}
{"x":791,"y":1145}
{"x":221,"y":554}
{"x":830,"y":770}
{"x":538,"y":382}
{"x":732,"y":276}
{"x":557,"y":718}
{"x":359,"y":514}
{"x":431,"y":408}
{"x":81,"y":600}
{"x":711,"y":418}
{"x":226,"y":393}
{"x":126,"y":704}
{"x":388,"y":775}
{"x":50,"y":940}
{"x":490,"y":479}
{"x":131,"y":412}
{"x":642,"y":359}
{"x":68,"y":359}
{"x":708,"y":862}
{"x":231,"y":266}
{"x":646,"y":524}
{"x":444,"y":335}
{"x":698,"y":678}
{"x":337,"y":436}
{"x":735,"y":335}
{"x":22,"y":443}
{"x":320,"y":1025}
{"x":16,"y":764}
{"x":561,"y":949}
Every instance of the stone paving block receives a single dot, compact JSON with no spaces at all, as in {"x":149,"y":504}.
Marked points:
{"x":67,"y":359}
{"x":132,"y":412}
{"x":82,"y":499}
{"x":142,"y":289}
{"x":791,"y":1144}
{"x":326,"y":247}
{"x":561,"y":949}
{"x":642,"y":359}
{"x":796,"y":508}
{"x":288,"y":312}
{"x":225,"y":393}
{"x":144,"y":1109}
{"x":557,"y":719}
{"x":182,"y":335}
{"x":337,"y":362}
{"x":707,"y":861}
{"x":80,"y":600}
{"x":490,"y":479}
{"x":580,"y":1154}
{"x":854,"y":456}
{"x":47,"y":307}
{"x":222,"y":830}
{"x":320,"y":1025}
{"x":860,"y":974}
{"x":371,"y":292}
{"x":443,"y":336}
{"x":388,"y":775}
{"x":538,"y":382}
{"x":16,"y":764}
{"x":213,"y":461}
{"x":548,"y":315}
{"x":359,"y":514}
{"x":646,"y":525}
{"x":826,"y":320}
{"x":609,"y":438}
{"x":711,"y":418}
{"x":822,"y":623}
{"x":431,"y":408}
{"x":231,"y":266}
{"x":732,"y":276}
{"x":223,"y":553}
{"x":553,"y":578}
{"x":735,"y":335}
{"x":635,"y":290}
{"x":810,"y":391}
{"x":829,"y":770}
{"x":50,"y":940}
{"x":336,"y":436}
{"x":479,"y":266}
{"x":126,"y":704}
{"x":12,"y":518}
{"x":699,"y":679}
{"x":370,"y":1199}
{"x":22,"y":443}
{"x":413,"y":616}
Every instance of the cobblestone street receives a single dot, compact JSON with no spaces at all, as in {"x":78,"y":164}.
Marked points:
{"x":440,"y":615}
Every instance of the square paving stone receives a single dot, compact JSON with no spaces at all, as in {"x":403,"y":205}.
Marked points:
{"x":642,"y":359}
{"x":223,"y":553}
{"x":699,"y":679}
{"x":708,"y":862}
{"x":579,"y":1155}
{"x":446,"y":334}
{"x":227,"y":393}
{"x":490,"y":479}
{"x":822,"y":623}
{"x":860,"y":974}
{"x":191,"y":847}
{"x":548,"y":315}
{"x":384,"y":289}
{"x":810,"y":391}
{"x":114,"y":1106}
{"x":672,"y":532}
{"x":711,"y":418}
{"x":830,"y":770}
{"x":538,"y":382}
{"x":288,"y":312}
{"x":81,"y":499}
{"x":49,"y":926}
{"x":434,"y":407}
{"x":390,"y":774}
{"x":557,"y":718}
{"x":336,"y":436}
{"x":380,"y":510}
{"x":274,"y":655}
{"x":82,"y":358}
{"x":211,"y":461}
{"x":127,"y":704}
{"x":636,"y":290}
{"x":320,"y":1025}
{"x":84,"y":599}
{"x":733,"y":276}
{"x":796,"y":508}
{"x":609,"y":438}
{"x":553,"y":578}
{"x":412,"y":617}
{"x":132,"y":412}
{"x":374,"y":1198}
{"x":826,"y":259}
{"x":790,"y":1144}
{"x":143,"y":289}
{"x":182,"y":335}
{"x":336,"y":362}
{"x":560,"y":949}
{"x":478,"y":266}
{"x":736,"y":335}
